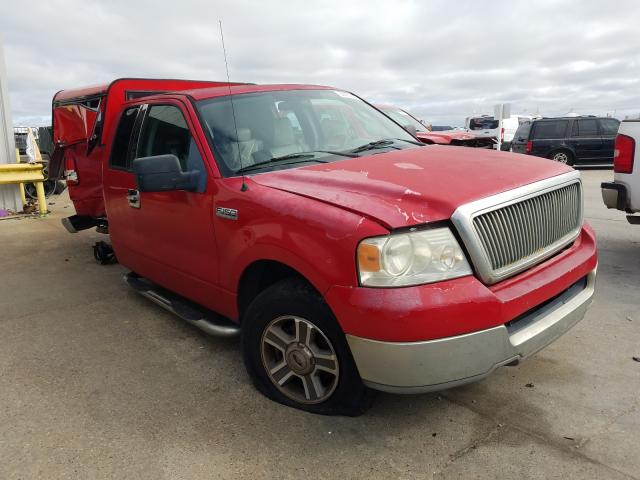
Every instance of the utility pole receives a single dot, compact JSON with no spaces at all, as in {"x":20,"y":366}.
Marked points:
{"x":9,"y":194}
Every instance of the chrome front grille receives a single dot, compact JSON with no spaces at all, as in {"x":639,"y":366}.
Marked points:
{"x":520,"y":230}
{"x":512,"y":231}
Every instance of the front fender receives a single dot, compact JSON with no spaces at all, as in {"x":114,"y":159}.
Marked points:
{"x":317,"y":240}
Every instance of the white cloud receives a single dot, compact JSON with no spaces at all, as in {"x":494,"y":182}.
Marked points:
{"x":443,"y":60}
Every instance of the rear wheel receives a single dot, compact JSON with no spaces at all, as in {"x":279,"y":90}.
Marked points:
{"x":296,"y":354}
{"x":562,"y":156}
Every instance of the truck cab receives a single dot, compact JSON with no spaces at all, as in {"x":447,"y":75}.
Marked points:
{"x":348,"y":255}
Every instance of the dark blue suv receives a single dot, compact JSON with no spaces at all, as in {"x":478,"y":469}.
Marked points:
{"x":570,"y":140}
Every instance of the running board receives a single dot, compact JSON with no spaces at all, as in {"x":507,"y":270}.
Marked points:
{"x":205,"y":320}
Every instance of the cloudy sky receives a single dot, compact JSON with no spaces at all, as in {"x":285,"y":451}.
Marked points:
{"x":442,"y":60}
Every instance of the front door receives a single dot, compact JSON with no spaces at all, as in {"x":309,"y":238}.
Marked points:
{"x":174,"y":243}
{"x":175,"y":228}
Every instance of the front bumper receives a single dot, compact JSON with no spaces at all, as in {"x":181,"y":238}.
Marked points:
{"x":614,"y":195}
{"x":414,"y":367}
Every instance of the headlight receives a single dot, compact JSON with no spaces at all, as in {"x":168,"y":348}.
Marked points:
{"x":412,"y":258}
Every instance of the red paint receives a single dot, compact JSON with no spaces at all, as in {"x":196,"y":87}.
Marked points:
{"x":412,"y":186}
{"x":445,"y":138}
{"x":312,"y":218}
{"x":457,"y":306}
{"x":74,"y":124}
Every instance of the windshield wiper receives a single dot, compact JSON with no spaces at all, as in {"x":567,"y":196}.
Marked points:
{"x":310,"y":154}
{"x":374,"y":145}
{"x":387,"y":142}
{"x":302,"y":156}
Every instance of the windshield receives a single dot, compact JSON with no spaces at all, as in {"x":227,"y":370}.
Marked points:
{"x":310,"y":125}
{"x":483,"y":123}
{"x":404,"y":118}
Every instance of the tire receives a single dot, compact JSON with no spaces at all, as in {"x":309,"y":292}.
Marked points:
{"x":290,"y":335}
{"x":104,"y":254}
{"x":49,"y":189}
{"x":562,"y":156}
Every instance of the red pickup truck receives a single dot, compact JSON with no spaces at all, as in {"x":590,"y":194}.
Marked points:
{"x":345,"y":253}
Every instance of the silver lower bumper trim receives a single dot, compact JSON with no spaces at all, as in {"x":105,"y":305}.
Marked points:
{"x":414,"y":367}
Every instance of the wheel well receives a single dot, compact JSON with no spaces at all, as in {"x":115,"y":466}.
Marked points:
{"x":260,"y":275}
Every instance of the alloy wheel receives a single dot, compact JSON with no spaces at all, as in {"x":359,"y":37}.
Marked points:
{"x":561,"y":157}
{"x":299,"y":359}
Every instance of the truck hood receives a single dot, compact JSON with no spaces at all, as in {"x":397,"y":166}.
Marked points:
{"x":412,"y":186}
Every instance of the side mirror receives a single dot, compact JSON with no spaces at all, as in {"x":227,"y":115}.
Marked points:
{"x":411,"y":129}
{"x":163,"y":173}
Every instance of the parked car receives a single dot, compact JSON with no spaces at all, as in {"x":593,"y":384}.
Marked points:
{"x":487,"y":126}
{"x":570,"y":140}
{"x":421,"y":130}
{"x":345,"y":253}
{"x":624,"y":192}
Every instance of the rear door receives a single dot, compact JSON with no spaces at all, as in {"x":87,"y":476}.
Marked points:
{"x":547,"y":136}
{"x":118,"y":182}
{"x":609,"y":129}
{"x":586,"y":140}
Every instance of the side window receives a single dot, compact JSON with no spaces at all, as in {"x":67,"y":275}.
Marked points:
{"x":548,"y":130}
{"x":120,"y":155}
{"x":522,"y":133}
{"x":585,"y":128}
{"x":609,"y":126}
{"x":165,"y":132}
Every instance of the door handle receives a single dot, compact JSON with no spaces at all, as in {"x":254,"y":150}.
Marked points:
{"x":133,"y":197}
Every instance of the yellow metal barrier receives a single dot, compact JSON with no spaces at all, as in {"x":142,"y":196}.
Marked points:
{"x":21,"y":173}
{"x":22,"y":195}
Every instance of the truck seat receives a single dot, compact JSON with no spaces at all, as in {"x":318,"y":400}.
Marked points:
{"x":284,"y":139}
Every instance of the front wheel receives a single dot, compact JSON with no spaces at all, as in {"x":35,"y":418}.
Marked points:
{"x":296,"y":353}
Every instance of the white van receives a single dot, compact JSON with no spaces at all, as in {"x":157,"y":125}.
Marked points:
{"x":488,"y":126}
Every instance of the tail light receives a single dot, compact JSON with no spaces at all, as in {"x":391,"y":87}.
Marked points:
{"x":502,"y":134}
{"x":70,"y":174}
{"x":529,"y":146}
{"x":623,"y":153}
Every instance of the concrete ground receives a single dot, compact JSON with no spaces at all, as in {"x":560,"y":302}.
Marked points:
{"x":97,"y":382}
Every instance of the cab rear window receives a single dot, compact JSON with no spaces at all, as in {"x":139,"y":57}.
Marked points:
{"x":544,"y":130}
{"x":483,"y":123}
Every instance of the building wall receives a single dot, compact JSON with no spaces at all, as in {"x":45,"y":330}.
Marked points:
{"x":9,"y":194}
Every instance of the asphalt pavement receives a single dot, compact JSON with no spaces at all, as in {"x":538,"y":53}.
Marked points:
{"x":97,"y":382}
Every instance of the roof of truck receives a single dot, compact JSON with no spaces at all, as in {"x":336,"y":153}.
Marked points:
{"x":89,"y":91}
{"x":166,"y":84}
{"x":204,"y":93}
{"x":199,"y":93}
